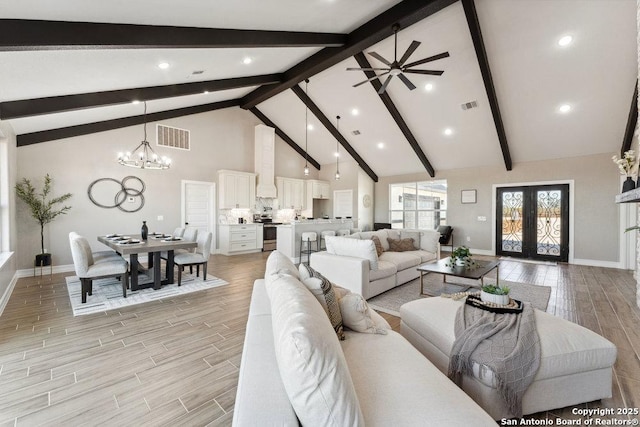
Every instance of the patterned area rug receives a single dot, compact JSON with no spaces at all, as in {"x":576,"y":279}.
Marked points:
{"x":107,"y":293}
{"x":390,"y":301}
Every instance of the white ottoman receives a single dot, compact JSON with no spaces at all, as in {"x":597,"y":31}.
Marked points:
{"x":576,"y":364}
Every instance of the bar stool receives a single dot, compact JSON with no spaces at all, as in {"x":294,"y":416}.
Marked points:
{"x":322,"y":238}
{"x":308,"y":237}
{"x":344,"y":232}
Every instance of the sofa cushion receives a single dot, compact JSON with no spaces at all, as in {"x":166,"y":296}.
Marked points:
{"x":376,"y":241}
{"x":323,"y":290}
{"x":401,"y":245}
{"x":402,"y":260}
{"x":385,"y":269}
{"x":278,"y":264}
{"x":357,"y":315}
{"x":310,"y":360}
{"x":424,"y":256}
{"x":353,"y":247}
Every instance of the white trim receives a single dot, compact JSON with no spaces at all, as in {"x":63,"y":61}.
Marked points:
{"x":7,"y":293}
{"x":597,"y":263}
{"x":28,"y":272}
{"x":213,"y":221}
{"x":628,"y":213}
{"x":571,"y":183}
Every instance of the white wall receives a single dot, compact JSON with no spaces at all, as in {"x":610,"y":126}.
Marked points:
{"x":8,"y":221}
{"x":222,"y":139}
{"x":597,"y":229}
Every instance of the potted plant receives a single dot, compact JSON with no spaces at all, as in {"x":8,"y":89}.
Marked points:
{"x":626,"y":166}
{"x":495,"y":294}
{"x":460,"y":256}
{"x":43,"y":210}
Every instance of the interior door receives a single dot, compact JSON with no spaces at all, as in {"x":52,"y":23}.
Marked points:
{"x":198,"y":207}
{"x":533,"y":222}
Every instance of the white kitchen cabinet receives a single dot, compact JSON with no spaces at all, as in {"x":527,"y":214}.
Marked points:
{"x":237,"y":189}
{"x":240,"y":238}
{"x":318,"y":189}
{"x":290,"y":193}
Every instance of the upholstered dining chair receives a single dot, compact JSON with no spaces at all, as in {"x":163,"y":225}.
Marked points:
{"x":89,"y":267}
{"x":197,"y":258}
{"x":178,"y":232}
{"x":188,"y":235}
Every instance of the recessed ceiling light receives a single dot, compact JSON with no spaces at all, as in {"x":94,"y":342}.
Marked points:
{"x":135,"y":101}
{"x":564,"y":108}
{"x":247,"y":60}
{"x":163,"y":65}
{"x":380,"y":145}
{"x":355,"y":112}
{"x":310,"y":126}
{"x":565,"y":40}
{"x":206,"y":91}
{"x":336,"y":154}
{"x":448,"y":131}
{"x":428,"y":87}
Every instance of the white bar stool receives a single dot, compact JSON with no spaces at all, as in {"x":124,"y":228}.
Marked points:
{"x":306,"y":239}
{"x":344,"y":232}
{"x":322,"y":238}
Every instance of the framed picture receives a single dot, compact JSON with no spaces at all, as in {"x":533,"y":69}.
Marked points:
{"x":468,"y":196}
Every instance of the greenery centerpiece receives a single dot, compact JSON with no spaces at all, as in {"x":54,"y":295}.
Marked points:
{"x":626,"y":166}
{"x":43,"y":209}
{"x":461,"y":256}
{"x":495,"y":294}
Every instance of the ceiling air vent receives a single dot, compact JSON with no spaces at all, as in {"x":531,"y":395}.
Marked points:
{"x":355,"y":132}
{"x":197,"y":72}
{"x":469,"y":105}
{"x":171,"y":137}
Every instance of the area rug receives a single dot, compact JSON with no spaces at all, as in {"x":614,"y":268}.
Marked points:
{"x":390,"y":301}
{"x":107,"y":293}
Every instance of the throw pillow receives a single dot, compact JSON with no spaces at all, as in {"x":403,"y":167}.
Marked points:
{"x":358,"y":317}
{"x":278,"y":264}
{"x":322,"y":289}
{"x":401,"y":245}
{"x":376,"y":242}
{"x":311,"y":363}
{"x":353,"y":247}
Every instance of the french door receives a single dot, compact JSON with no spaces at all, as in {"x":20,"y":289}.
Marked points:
{"x":533,"y":222}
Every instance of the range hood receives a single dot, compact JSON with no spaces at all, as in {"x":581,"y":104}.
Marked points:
{"x":265,"y":139}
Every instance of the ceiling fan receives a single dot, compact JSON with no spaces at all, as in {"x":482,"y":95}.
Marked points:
{"x":398,"y":67}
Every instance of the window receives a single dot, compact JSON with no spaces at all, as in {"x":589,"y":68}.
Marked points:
{"x":420,"y":205}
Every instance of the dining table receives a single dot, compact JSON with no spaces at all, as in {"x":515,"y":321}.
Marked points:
{"x":154,"y":245}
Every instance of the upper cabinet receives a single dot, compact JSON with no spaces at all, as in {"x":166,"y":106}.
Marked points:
{"x":236,"y":189}
{"x":318,"y":189}
{"x":290,"y":193}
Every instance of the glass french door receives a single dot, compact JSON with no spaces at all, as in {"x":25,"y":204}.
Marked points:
{"x":533,"y":222}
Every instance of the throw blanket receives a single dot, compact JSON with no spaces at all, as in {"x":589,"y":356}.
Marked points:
{"x":506,"y":344}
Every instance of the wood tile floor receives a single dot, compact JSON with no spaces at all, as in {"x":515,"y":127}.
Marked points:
{"x":175,"y":362}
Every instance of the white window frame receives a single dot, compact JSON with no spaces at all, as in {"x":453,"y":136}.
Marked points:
{"x":442,"y":210}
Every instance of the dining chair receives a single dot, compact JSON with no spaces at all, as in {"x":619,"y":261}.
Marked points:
{"x":89,"y":267}
{"x":188,"y":235}
{"x":197,"y":258}
{"x":178,"y":232}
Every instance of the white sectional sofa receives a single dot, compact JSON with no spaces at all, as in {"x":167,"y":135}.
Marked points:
{"x":357,"y":267}
{"x":294,"y":370}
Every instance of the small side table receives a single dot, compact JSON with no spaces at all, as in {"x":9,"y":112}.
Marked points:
{"x":42,"y":261}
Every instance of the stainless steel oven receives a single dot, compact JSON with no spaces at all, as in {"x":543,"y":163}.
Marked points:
{"x":270,"y":237}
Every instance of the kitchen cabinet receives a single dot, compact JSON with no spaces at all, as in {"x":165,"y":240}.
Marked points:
{"x":318,"y":189}
{"x":240,"y":238}
{"x":237,"y":189}
{"x":290,"y":193}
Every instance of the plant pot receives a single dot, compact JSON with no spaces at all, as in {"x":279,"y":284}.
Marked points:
{"x":496,"y":299}
{"x":42,"y":260}
{"x":628,"y":185}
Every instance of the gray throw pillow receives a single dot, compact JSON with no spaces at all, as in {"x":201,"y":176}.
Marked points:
{"x":323,"y":290}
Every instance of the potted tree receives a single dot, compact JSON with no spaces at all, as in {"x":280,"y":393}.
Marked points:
{"x":495,"y":294}
{"x":43,"y":209}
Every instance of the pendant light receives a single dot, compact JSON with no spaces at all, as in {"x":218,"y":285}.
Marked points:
{"x":337,"y":150}
{"x":144,"y":157}
{"x":306,"y":131}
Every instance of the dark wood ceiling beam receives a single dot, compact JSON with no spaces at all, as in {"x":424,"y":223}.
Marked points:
{"x":405,"y":13}
{"x":395,"y":114}
{"x":57,"y":104}
{"x":632,"y":122}
{"x":332,"y":129}
{"x":27,"y":34}
{"x":481,"y":53}
{"x":89,"y":128}
{"x":259,"y":114}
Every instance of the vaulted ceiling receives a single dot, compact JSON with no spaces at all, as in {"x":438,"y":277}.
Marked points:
{"x":63,"y":74}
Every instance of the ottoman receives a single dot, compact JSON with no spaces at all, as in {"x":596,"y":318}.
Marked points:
{"x":575,"y":366}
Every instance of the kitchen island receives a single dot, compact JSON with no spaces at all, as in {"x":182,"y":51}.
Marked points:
{"x":289,"y":234}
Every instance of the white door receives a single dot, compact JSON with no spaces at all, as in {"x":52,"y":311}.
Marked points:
{"x":198,"y":207}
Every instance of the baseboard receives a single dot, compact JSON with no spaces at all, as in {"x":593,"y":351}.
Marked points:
{"x":597,"y":263}
{"x":28,"y":272}
{"x":7,"y":293}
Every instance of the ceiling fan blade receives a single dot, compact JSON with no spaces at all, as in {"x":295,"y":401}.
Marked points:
{"x":384,"y":85}
{"x":380,"y":58}
{"x":429,"y":72}
{"x":372,"y":78}
{"x":412,"y":48}
{"x":366,"y":69}
{"x":429,"y":59}
{"x":406,"y":81}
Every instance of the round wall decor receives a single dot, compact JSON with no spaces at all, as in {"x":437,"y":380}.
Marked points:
{"x":366,"y":201}
{"x":122,"y":194}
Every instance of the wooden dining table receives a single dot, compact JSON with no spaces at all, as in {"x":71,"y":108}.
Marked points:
{"x":153,"y":246}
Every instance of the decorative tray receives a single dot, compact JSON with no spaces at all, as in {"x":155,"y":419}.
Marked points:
{"x":514,"y":305}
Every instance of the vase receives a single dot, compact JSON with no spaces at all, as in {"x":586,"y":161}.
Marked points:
{"x":628,"y":185}
{"x":144,"y":232}
{"x":496,"y":299}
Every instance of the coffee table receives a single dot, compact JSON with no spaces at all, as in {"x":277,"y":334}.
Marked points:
{"x":476,"y":272}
